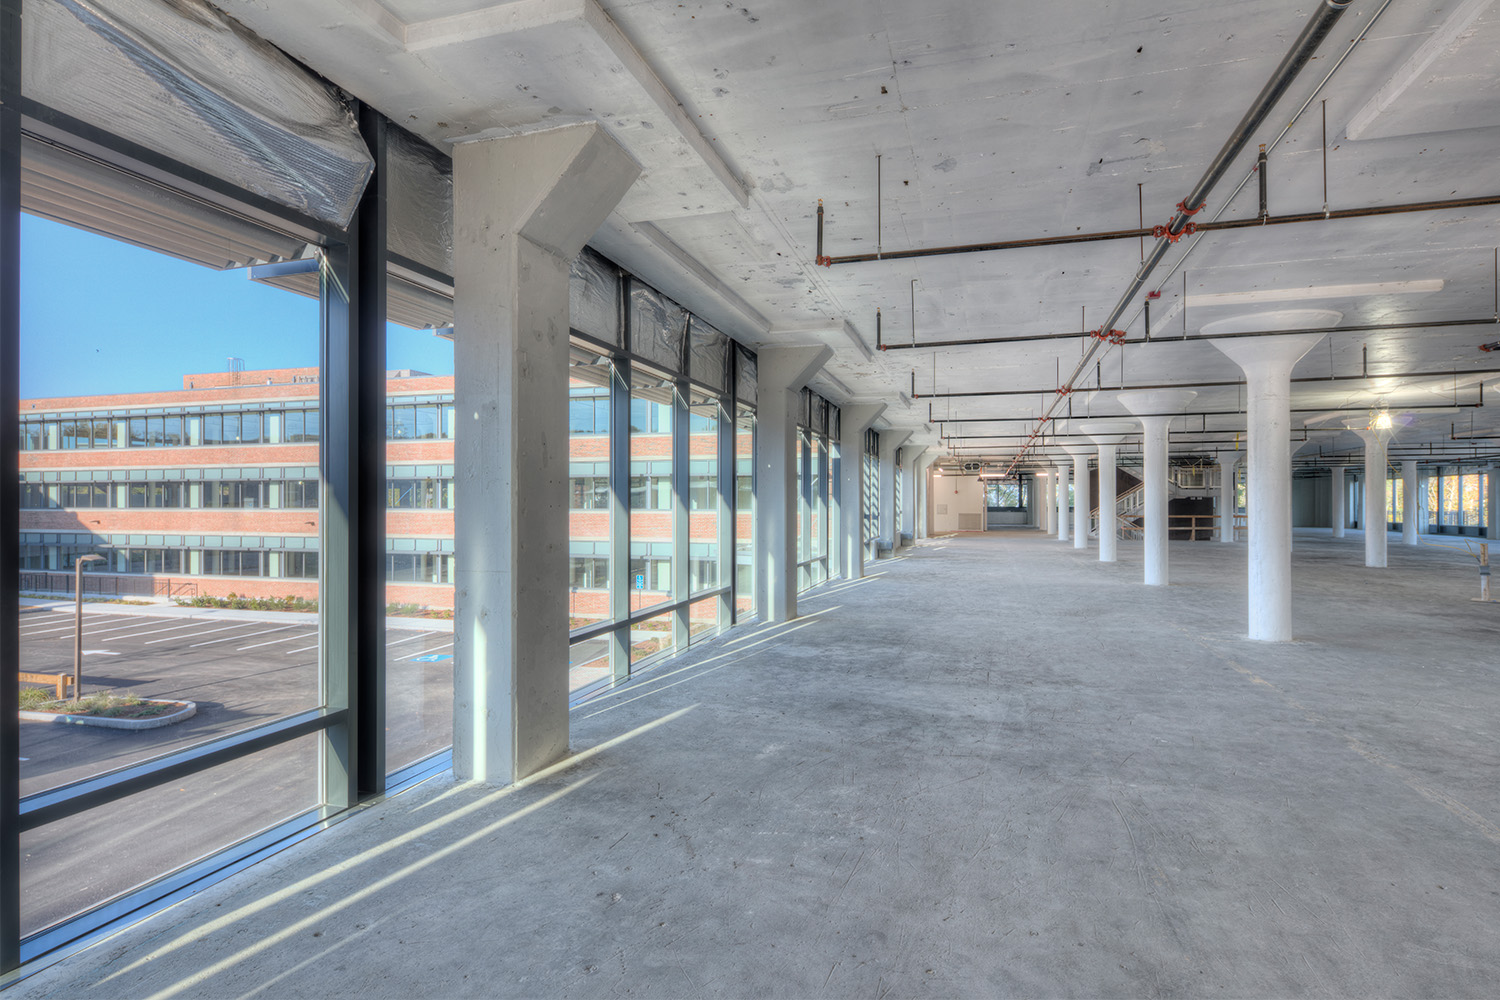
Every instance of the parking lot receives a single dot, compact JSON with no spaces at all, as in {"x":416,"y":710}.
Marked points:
{"x":240,"y":668}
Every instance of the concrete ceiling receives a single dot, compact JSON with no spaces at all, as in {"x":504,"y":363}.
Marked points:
{"x":995,"y":121}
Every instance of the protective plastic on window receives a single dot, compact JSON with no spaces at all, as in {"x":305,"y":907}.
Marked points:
{"x":709,"y":356}
{"x":744,"y":376}
{"x":419,"y":201}
{"x":819,"y":415}
{"x":594,"y":298}
{"x":182,"y":78}
{"x":658,"y":327}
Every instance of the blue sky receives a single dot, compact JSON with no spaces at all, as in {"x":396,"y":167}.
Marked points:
{"x":101,"y":316}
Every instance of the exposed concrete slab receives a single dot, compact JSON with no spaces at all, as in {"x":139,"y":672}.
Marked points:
{"x":853,"y":804}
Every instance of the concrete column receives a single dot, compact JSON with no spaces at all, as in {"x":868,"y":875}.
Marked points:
{"x":908,"y":524}
{"x":1061,"y":500}
{"x":1145,"y":404}
{"x":1338,"y":490}
{"x":1375,"y":523}
{"x":1267,"y":364}
{"x":853,"y":422}
{"x":1081,"y":454}
{"x":1045,"y":491}
{"x":781,"y":373}
{"x":1107,"y":435}
{"x":523,"y":207}
{"x":1228,"y":463}
{"x":890,"y":482}
{"x":1409,"y":525}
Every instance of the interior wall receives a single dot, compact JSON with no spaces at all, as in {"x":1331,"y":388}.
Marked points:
{"x":957,"y":504}
{"x":1311,"y":501}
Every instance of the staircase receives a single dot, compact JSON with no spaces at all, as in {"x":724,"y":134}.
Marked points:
{"x":1182,"y":480}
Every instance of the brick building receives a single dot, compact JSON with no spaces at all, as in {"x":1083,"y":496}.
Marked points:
{"x":213,"y":488}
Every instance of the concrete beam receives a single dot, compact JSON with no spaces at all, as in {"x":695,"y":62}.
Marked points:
{"x":523,"y":206}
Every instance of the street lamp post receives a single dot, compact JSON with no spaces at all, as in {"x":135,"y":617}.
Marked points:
{"x":78,"y":622}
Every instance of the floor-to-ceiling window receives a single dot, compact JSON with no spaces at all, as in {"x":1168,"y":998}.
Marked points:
{"x":227,"y":424}
{"x":871,"y":509}
{"x":186,"y":359}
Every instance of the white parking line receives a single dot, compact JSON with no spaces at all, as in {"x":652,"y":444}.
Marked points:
{"x":424,"y":652}
{"x":43,"y":620}
{"x":409,"y":638}
{"x":211,"y":631}
{"x":153,"y":631}
{"x":272,"y":642}
{"x":114,"y":627}
{"x":61,"y":628}
{"x":301,"y":649}
{"x":232,"y":638}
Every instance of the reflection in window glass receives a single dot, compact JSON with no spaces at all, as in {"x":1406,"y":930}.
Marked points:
{"x":150,"y":341}
{"x":69,"y":866}
{"x":703,"y":480}
{"x":652,"y":504}
{"x":650,"y":637}
{"x":419,"y":562}
{"x":589,"y":379}
{"x":744,"y":518}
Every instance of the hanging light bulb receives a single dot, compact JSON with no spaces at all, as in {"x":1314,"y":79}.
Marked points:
{"x":1380,"y":420}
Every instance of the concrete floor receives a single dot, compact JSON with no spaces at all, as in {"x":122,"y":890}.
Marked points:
{"x":994,"y":768}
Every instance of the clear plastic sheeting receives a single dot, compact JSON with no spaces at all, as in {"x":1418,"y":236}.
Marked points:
{"x":819,"y":415}
{"x":61,"y":185}
{"x":708,"y":360}
{"x":419,"y":201}
{"x":184,"y":79}
{"x":594,"y":299}
{"x":658,"y":327}
{"x":833,"y":423}
{"x":744,"y":376}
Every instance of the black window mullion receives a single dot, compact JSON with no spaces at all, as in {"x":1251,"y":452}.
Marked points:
{"x":619,"y":518}
{"x":10,"y":519}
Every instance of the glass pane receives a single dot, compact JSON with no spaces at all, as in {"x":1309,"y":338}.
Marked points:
{"x":703,"y":619}
{"x":588,"y":663}
{"x":650,"y":637}
{"x":419,"y":546}
{"x":821,"y":526}
{"x":589,"y":513}
{"x":803,"y":495}
{"x":150,"y":341}
{"x":651,"y":499}
{"x":744,"y":518}
{"x":79,"y":862}
{"x":1473,"y":500}
{"x":703,"y":503}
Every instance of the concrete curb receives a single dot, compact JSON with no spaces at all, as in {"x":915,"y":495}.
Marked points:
{"x":188,"y":710}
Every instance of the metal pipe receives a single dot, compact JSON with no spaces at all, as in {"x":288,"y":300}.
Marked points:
{"x":1220,"y":225}
{"x":1225,"y":383}
{"x":1346,"y":328}
{"x":820,"y":258}
{"x":1260,"y":167}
